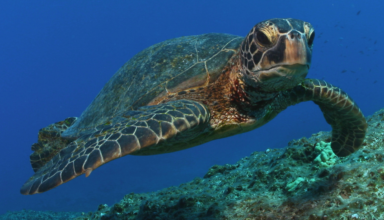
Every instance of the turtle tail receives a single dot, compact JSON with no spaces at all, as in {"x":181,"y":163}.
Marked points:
{"x":340,"y":111}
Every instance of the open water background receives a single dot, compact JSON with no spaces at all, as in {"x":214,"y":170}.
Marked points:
{"x":55,"y":56}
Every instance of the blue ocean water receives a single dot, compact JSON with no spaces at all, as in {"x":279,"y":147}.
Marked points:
{"x":55,"y":56}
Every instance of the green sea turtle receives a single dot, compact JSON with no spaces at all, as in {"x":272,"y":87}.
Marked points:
{"x":190,"y":90}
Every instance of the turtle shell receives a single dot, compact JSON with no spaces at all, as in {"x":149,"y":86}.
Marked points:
{"x":165,"y":68}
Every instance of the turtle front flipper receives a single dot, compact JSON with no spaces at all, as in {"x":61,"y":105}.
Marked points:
{"x":340,"y":111}
{"x":148,"y":130}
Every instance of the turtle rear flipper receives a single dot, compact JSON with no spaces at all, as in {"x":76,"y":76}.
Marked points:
{"x":340,"y":111}
{"x":50,"y":142}
{"x":150,"y":128}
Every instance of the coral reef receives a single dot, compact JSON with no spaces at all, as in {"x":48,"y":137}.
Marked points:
{"x":304,"y":180}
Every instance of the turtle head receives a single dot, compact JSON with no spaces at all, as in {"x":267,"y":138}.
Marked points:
{"x":276,"y":54}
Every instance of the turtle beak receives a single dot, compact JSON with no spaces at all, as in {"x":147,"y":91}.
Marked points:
{"x":297,"y":51}
{"x":291,"y":49}
{"x":287,"y":63}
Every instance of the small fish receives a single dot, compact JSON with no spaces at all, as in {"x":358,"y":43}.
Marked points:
{"x":362,"y":52}
{"x":375,"y":42}
{"x":375,"y":82}
{"x":343,"y":71}
{"x":358,"y":12}
{"x":325,"y":41}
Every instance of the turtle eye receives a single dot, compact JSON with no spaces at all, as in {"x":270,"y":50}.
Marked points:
{"x":262,"y":39}
{"x":311,"y":39}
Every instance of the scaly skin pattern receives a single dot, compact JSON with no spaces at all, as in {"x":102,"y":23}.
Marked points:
{"x":135,"y":131}
{"x":340,"y":111}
